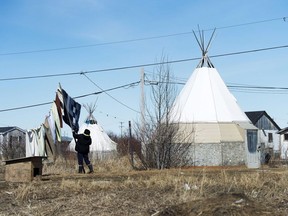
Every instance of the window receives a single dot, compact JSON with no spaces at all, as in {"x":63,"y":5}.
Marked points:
{"x":270,"y":137}
{"x":285,"y":136}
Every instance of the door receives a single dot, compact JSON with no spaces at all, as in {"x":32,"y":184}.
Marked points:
{"x":253,"y":153}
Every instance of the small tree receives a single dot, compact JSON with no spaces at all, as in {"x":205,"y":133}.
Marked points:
{"x":157,"y":133}
{"x":123,"y":144}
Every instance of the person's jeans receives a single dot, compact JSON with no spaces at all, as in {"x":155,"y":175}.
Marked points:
{"x":82,"y":157}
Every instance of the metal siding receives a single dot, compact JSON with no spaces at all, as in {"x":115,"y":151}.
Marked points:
{"x":265,"y":123}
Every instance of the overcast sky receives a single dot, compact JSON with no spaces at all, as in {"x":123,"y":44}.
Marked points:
{"x":66,"y":37}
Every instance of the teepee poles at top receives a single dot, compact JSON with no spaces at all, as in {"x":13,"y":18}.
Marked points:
{"x":90,"y":108}
{"x":201,"y":42}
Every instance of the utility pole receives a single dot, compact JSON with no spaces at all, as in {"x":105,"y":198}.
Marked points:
{"x":130,"y":146}
{"x":121,"y":127}
{"x":142,"y":109}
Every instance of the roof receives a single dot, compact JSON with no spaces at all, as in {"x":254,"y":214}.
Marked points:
{"x":283,"y":131}
{"x":254,"y":116}
{"x":8,"y":129}
{"x":5,"y":129}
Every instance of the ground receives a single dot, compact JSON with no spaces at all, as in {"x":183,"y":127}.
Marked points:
{"x":191,"y":191}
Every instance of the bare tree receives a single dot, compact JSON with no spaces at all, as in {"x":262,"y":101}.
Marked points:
{"x":157,"y":133}
{"x":123,"y":143}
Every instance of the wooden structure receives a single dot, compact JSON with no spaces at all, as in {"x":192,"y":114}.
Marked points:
{"x":269,"y":137}
{"x":23,"y":169}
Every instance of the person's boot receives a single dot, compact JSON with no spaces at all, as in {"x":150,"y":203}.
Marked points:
{"x":80,"y":169}
{"x":90,"y":168}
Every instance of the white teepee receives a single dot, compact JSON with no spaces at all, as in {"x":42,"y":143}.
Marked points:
{"x":206,"y":98}
{"x":208,"y":114}
{"x":102,"y":145}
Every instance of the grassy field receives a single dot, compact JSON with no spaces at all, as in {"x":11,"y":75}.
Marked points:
{"x":116,"y":189}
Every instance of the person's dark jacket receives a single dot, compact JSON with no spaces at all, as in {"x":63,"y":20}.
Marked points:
{"x":82,"y":143}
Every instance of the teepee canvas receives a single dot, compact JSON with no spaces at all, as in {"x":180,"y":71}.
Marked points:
{"x":102,"y":146}
{"x":208,"y":114}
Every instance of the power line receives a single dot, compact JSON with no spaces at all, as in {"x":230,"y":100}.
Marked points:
{"x":111,"y":95}
{"x":258,"y":87}
{"x":249,"y":51}
{"x":25,"y":107}
{"x":258,"y":91}
{"x":81,"y":96}
{"x":142,"y":65}
{"x":251,"y":23}
{"x":137,"y":39}
{"x":93,"y":45}
{"x":238,"y":87}
{"x":40,"y":76}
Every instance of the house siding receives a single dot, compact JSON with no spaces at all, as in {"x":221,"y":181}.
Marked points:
{"x":12,"y":133}
{"x":275,"y":145}
{"x":267,"y":125}
{"x":264,"y":123}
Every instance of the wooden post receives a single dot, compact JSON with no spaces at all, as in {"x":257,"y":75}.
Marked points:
{"x":130,"y":146}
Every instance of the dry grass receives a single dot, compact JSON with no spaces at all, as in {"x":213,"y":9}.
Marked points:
{"x":65,"y":166}
{"x":116,"y":189}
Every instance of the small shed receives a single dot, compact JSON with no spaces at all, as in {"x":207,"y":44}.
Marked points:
{"x":23,"y":169}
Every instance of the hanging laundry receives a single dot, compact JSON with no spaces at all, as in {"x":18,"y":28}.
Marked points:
{"x":52,"y":126}
{"x":41,"y":143}
{"x":31,"y":143}
{"x":50,"y":146}
{"x":35,"y":142}
{"x":57,"y":121}
{"x":71,"y":111}
{"x":59,"y":104}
